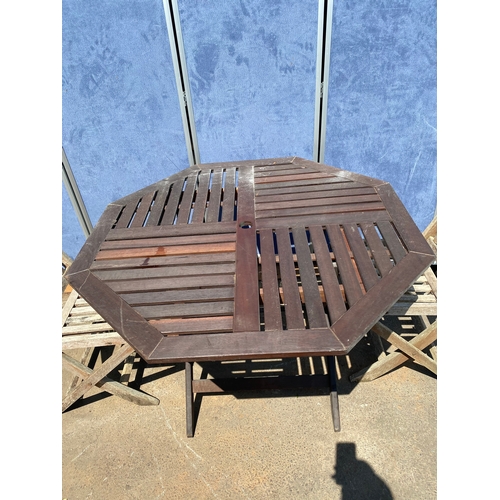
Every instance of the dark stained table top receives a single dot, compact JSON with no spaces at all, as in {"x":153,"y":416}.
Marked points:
{"x":251,"y":259}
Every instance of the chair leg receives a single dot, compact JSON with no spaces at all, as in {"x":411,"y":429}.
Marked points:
{"x":409,"y":350}
{"x":84,"y":360}
{"x":189,"y":400}
{"x":334,"y":397}
{"x":127,"y":369}
{"x":97,"y":375}
{"x":109,"y":385}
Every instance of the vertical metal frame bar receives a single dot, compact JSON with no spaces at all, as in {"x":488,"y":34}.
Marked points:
{"x":326,"y":77}
{"x":319,"y":79}
{"x":75,"y":196}
{"x":172,"y":19}
{"x":325,"y":19}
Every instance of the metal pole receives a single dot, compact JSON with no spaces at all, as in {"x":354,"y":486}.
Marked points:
{"x":75,"y":196}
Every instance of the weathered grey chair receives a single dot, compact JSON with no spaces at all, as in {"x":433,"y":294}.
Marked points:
{"x":419,"y":300}
{"x":83,"y":330}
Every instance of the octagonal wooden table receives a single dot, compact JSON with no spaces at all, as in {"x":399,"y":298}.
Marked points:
{"x":282,"y":257}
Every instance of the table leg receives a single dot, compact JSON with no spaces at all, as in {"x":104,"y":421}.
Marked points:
{"x":334,"y":397}
{"x":189,"y":400}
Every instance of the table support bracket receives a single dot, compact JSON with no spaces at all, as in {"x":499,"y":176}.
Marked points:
{"x":230,"y":385}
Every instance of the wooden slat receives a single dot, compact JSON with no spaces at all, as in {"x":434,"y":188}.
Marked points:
{"x":172,"y":260}
{"x":282,"y":185}
{"x":370,"y":181}
{"x":271,"y":298}
{"x":81,"y":308}
{"x":314,"y":307}
{"x":319,"y":192}
{"x":247,"y":345}
{"x":152,"y":187}
{"x":340,"y":218}
{"x":169,"y":231}
{"x":194,"y":325}
{"x":77,"y":319}
{"x":301,"y":293}
{"x":363,"y":262}
{"x":191,"y":310}
{"x":167,"y":271}
{"x":317,"y":202}
{"x":127,"y":214}
{"x":259,"y":170}
{"x":291,"y":178}
{"x":348,"y":275}
{"x":126,"y":372}
{"x":68,"y":306}
{"x":328,"y":209}
{"x":215,"y":196}
{"x":293,"y":305}
{"x":246,"y":299}
{"x":298,"y":188}
{"x":333,"y":295}
{"x":85,"y":340}
{"x":171,"y":283}
{"x":229,"y":195}
{"x":166,"y":250}
{"x":252,"y":163}
{"x":159,"y":204}
{"x":379,"y":252}
{"x":392,"y":241}
{"x":86,"y":328}
{"x":432,"y":280}
{"x":143,"y":210}
{"x":175,"y":295}
{"x":168,"y":241}
{"x":200,"y":203}
{"x":187,"y":199}
{"x":272,"y":170}
{"x":172,"y":203}
{"x":401,"y":308}
{"x":422,"y":298}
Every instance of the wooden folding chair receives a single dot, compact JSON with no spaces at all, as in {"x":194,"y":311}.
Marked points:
{"x":66,"y":262}
{"x":83,"y":330}
{"x":419,"y":300}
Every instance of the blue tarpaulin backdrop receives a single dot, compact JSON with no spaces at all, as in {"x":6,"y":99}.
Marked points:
{"x":251,"y":66}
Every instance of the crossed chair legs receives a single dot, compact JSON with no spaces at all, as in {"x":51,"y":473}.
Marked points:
{"x":87,"y":336}
{"x":88,"y":378}
{"x":406,"y":350}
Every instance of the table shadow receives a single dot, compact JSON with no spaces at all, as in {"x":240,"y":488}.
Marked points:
{"x":356,"y":478}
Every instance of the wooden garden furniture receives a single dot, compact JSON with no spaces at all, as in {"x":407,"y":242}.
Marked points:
{"x":419,"y":300}
{"x":259,"y":259}
{"x":84,"y":330}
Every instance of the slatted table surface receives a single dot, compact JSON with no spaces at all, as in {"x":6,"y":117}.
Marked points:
{"x":252,"y":259}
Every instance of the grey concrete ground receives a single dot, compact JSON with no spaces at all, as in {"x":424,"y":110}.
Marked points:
{"x":278,"y":445}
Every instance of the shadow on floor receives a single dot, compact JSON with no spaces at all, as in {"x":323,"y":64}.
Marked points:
{"x":356,"y":477}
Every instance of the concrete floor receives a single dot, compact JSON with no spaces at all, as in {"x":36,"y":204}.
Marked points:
{"x":275,"y":444}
